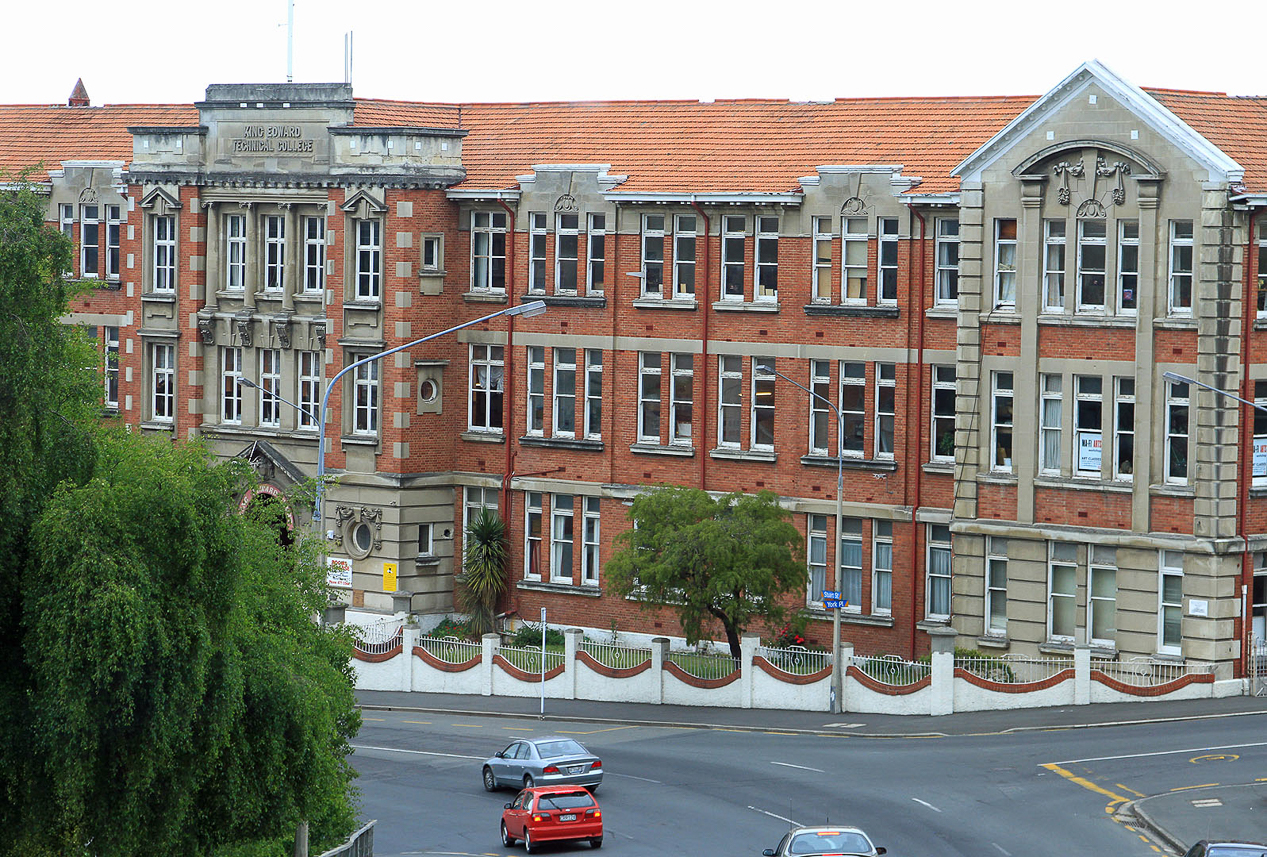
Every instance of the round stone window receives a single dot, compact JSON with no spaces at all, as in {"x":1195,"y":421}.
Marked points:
{"x":429,"y":390}
{"x":360,"y":538}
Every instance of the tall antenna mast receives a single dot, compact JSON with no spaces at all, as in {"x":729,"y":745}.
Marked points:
{"x":347,"y":57}
{"x":290,"y":41}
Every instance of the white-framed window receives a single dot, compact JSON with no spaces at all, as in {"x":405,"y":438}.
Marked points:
{"x":885,"y":408}
{"x":314,"y":254}
{"x":567,"y":253}
{"x":163,"y":383}
{"x":110,"y":351}
{"x":1088,"y":424}
{"x":1062,"y":590}
{"x":66,"y":219}
{"x":1259,"y":469}
{"x":274,"y":251}
{"x":426,"y":543}
{"x":682,"y":399}
{"x":474,"y":499}
{"x":590,"y":541}
{"x":1170,"y":604}
{"x":853,"y":255}
{"x":564,"y":392}
{"x":996,"y":586}
{"x":850,"y":576}
{"x":816,"y":558}
{"x":1001,"y":423}
{"x":164,"y":252}
{"x":532,"y":535}
{"x":309,"y":388}
{"x":729,"y":400}
{"x":536,"y":390}
{"x":947,"y":260}
{"x":734,"y":231}
{"x":235,"y":252}
{"x":820,"y":407}
{"x":1124,"y":429}
{"x":1261,"y":291}
{"x":684,"y":235}
{"x":766,"y":285}
{"x":653,"y":255}
{"x":943,"y":434}
{"x":1127,"y":266}
{"x":230,"y":386}
{"x":853,"y":407}
{"x":113,"y":235}
{"x":822,"y":272}
{"x":763,"y":388}
{"x":596,"y":255}
{"x":1180,"y":291}
{"x":650,"y":364}
{"x":1054,"y":265}
{"x":937,"y":604}
{"x":1005,"y":263}
{"x":882,"y":567}
{"x":593,"y":394}
{"x":538,"y":239}
{"x":369,"y":259}
{"x":1176,"y":433}
{"x":561,"y":537}
{"x":90,"y":241}
{"x":1051,"y":405}
{"x":488,"y":251}
{"x":432,"y":253}
{"x":1092,"y":257}
{"x":1102,"y":595}
{"x":886,"y":260}
{"x":270,"y":387}
{"x":365,"y":397}
{"x":484,"y":409}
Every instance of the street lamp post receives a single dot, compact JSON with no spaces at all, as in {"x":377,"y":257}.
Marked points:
{"x":836,"y":673}
{"x":247,"y":382}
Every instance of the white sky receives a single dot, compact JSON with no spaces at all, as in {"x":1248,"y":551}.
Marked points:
{"x":520,"y":50}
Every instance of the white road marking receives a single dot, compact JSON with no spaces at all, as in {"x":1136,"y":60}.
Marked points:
{"x":926,"y":803}
{"x":632,"y":777}
{"x":415,"y":752}
{"x":1001,"y":848}
{"x":798,"y":767}
{"x":772,"y":815}
{"x":843,"y":725}
{"x":1159,"y":753}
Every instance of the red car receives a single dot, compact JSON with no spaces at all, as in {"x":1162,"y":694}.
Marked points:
{"x":552,"y":814}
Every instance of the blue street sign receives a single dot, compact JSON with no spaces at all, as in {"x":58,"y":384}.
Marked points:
{"x":830,"y":593}
{"x":834,"y":603}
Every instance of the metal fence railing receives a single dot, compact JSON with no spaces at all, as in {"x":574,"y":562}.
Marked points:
{"x":1148,"y":672}
{"x":378,"y":638}
{"x":796,"y":660}
{"x":529,"y":659}
{"x":617,"y":657}
{"x":1014,"y":669}
{"x":451,"y":650}
{"x":705,"y":664}
{"x":892,"y":670}
{"x":1258,"y":667}
{"x":359,"y":844}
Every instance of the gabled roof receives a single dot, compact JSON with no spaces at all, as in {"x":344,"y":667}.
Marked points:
{"x":1236,"y":124}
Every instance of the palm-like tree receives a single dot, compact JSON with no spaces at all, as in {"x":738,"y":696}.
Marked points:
{"x":483,"y":577}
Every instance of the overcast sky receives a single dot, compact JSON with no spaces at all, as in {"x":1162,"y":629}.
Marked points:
{"x":167,"y":51}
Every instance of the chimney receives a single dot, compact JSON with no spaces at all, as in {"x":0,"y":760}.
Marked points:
{"x":79,"y":97}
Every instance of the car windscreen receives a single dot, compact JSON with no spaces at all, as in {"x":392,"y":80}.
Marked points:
{"x":569,"y":800}
{"x":564,"y":747}
{"x":835,"y":842}
{"x":1236,"y":851}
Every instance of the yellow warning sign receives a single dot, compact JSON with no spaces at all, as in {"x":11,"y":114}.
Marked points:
{"x":389,"y":577}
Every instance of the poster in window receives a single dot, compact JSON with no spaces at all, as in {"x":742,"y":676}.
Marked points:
{"x":339,"y":572}
{"x":1089,"y":448}
{"x":1260,"y":456}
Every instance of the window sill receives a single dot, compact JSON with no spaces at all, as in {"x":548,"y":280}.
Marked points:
{"x":432,"y":272}
{"x":159,"y":297}
{"x":483,"y":436}
{"x":875,"y":464}
{"x":1187,"y":491}
{"x":746,"y":306}
{"x":426,"y":561}
{"x":1083,"y":483}
{"x":359,"y":440}
{"x":744,"y":455}
{"x":155,"y":425}
{"x":596,"y":301}
{"x":158,"y":333}
{"x":586,"y":590}
{"x":995,"y":477}
{"x":1087,"y":319}
{"x":1067,"y":648}
{"x":947,"y":311}
{"x":999,"y":315}
{"x":665,"y":303}
{"x":1176,"y":322}
{"x":847,"y":311}
{"x":933,"y":624}
{"x":945,"y":467}
{"x":562,"y":443}
{"x":363,"y":305}
{"x":486,"y":297}
{"x":309,"y":297}
{"x":993,"y":641}
{"x":657,"y":449}
{"x":877,"y":620}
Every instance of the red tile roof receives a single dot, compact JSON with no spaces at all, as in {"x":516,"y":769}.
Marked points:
{"x":1236,"y":124}
{"x":375,"y":112}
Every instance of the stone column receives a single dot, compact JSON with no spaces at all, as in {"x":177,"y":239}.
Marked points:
{"x":491,"y":643}
{"x":252,"y":278}
{"x":408,"y":639}
{"x":1081,"y":668}
{"x":1151,"y":294}
{"x":943,"y":671}
{"x":571,"y":646}
{"x":659,"y":655}
{"x":846,"y":658}
{"x":294,"y":257}
{"x":1025,"y":376}
{"x":970,"y":407}
{"x":215,"y":256}
{"x":747,"y":650}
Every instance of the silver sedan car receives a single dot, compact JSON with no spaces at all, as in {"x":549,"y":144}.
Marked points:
{"x":825,"y":840}
{"x":550,"y":761}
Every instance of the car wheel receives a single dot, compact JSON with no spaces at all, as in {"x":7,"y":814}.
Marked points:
{"x":529,"y":782}
{"x":490,"y":782}
{"x":596,"y":842}
{"x":529,"y":845}
{"x":507,"y":839}
{"x":593,"y":789}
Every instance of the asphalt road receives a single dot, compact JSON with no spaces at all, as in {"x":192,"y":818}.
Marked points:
{"x":1042,"y":787}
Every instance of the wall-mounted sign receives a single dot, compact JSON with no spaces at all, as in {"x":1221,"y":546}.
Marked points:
{"x":271,"y":139}
{"x":339,"y":572}
{"x":389,"y":577}
{"x":1198,"y":607}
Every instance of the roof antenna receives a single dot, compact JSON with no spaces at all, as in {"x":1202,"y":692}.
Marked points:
{"x":347,"y":57}
{"x":290,"y":41}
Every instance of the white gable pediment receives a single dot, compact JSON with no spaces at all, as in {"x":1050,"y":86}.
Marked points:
{"x":159,"y":201}
{"x":362,"y":205}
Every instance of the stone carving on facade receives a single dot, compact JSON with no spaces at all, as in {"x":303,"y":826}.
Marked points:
{"x":319,"y":331}
{"x":1093,"y":206}
{"x":565,"y":204}
{"x":1121,"y":169}
{"x":89,"y":195}
{"x":207,"y":330}
{"x":244,"y":331}
{"x":1064,"y":169}
{"x":282,"y":327}
{"x":854,"y":205}
{"x":345,"y":515}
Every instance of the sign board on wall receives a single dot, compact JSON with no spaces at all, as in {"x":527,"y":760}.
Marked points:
{"x":389,"y":577}
{"x":339,"y":572}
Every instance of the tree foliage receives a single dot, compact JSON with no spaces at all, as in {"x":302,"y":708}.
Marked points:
{"x":164,"y":688}
{"x":726,"y":560}
{"x":483,"y":569}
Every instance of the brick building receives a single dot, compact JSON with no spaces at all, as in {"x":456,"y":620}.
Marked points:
{"x":990,"y":290}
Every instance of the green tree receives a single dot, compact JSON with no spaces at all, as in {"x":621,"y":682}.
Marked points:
{"x":728,"y":560}
{"x":483,"y":577}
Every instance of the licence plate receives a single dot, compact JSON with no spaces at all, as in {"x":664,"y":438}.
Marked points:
{"x":576,"y":769}
{"x":568,"y":816}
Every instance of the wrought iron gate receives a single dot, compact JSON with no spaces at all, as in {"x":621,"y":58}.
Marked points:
{"x":1258,"y":667}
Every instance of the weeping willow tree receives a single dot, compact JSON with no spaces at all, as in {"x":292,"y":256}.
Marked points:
{"x":483,"y":577}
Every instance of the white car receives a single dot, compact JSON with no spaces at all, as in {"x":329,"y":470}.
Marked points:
{"x":844,"y":841}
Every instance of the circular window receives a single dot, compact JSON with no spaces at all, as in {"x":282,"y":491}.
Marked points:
{"x":429,"y":390}
{"x":360,"y":539}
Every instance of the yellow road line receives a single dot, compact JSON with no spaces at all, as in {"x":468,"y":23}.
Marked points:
{"x":1125,"y":789}
{"x":596,"y":731}
{"x":420,"y":722}
{"x":1202,"y":786}
{"x":1085,"y":783}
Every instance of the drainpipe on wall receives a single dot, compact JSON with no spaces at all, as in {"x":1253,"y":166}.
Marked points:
{"x":919,"y":420}
{"x":508,"y":363}
{"x":1244,"y":476}
{"x":704,"y":308}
